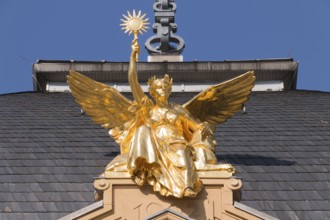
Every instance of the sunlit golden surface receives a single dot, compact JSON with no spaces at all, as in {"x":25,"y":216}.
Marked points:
{"x":162,"y":144}
{"x":134,"y":22}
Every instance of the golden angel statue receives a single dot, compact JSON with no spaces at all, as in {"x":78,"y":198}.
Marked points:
{"x":162,"y":144}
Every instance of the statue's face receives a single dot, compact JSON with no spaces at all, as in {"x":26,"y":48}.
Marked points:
{"x":161,"y":90}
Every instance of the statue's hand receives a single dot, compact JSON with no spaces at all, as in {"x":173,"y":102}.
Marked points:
{"x":135,"y":49}
{"x":205,"y":130}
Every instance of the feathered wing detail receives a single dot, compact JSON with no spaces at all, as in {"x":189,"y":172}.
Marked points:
{"x":104,"y":104}
{"x":220,"y":102}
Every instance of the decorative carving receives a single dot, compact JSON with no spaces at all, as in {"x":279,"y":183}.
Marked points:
{"x":234,"y":184}
{"x":165,"y":41}
{"x":215,"y":201}
{"x":154,"y":207}
{"x":136,"y":24}
{"x":101,"y":184}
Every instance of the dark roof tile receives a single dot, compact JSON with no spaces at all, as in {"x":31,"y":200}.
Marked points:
{"x":49,"y":154}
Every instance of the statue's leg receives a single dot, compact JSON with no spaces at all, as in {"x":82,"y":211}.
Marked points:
{"x":142,"y":155}
{"x":204,"y":157}
{"x":183,"y":160}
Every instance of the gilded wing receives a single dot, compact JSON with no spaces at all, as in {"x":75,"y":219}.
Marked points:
{"x":104,"y":104}
{"x":220,"y":102}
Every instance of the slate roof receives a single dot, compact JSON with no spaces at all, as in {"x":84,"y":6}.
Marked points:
{"x":50,"y":152}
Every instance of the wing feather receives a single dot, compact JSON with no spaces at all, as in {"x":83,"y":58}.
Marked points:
{"x":104,"y":104}
{"x":220,"y":102}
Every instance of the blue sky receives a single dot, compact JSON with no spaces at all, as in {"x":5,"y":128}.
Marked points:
{"x":213,"y":30}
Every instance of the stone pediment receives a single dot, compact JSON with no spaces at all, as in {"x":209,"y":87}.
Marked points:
{"x":167,"y":214}
{"x":120,"y":198}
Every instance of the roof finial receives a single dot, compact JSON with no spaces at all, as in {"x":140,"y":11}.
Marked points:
{"x":165,"y":42}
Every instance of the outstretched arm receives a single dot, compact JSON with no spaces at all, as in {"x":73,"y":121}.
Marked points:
{"x":132,"y":73}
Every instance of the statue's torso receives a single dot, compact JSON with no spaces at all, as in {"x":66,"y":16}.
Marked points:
{"x":166,"y":124}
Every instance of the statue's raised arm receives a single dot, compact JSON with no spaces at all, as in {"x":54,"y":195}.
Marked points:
{"x":132,"y":72}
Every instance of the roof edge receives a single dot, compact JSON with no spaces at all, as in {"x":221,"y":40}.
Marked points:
{"x":192,"y":61}
{"x":253,"y":211}
{"x":83,"y":211}
{"x":17,"y":93}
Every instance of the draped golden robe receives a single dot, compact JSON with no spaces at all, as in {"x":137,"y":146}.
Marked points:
{"x":157,"y":150}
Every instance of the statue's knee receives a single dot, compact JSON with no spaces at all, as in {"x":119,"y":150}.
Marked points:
{"x":178,"y":147}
